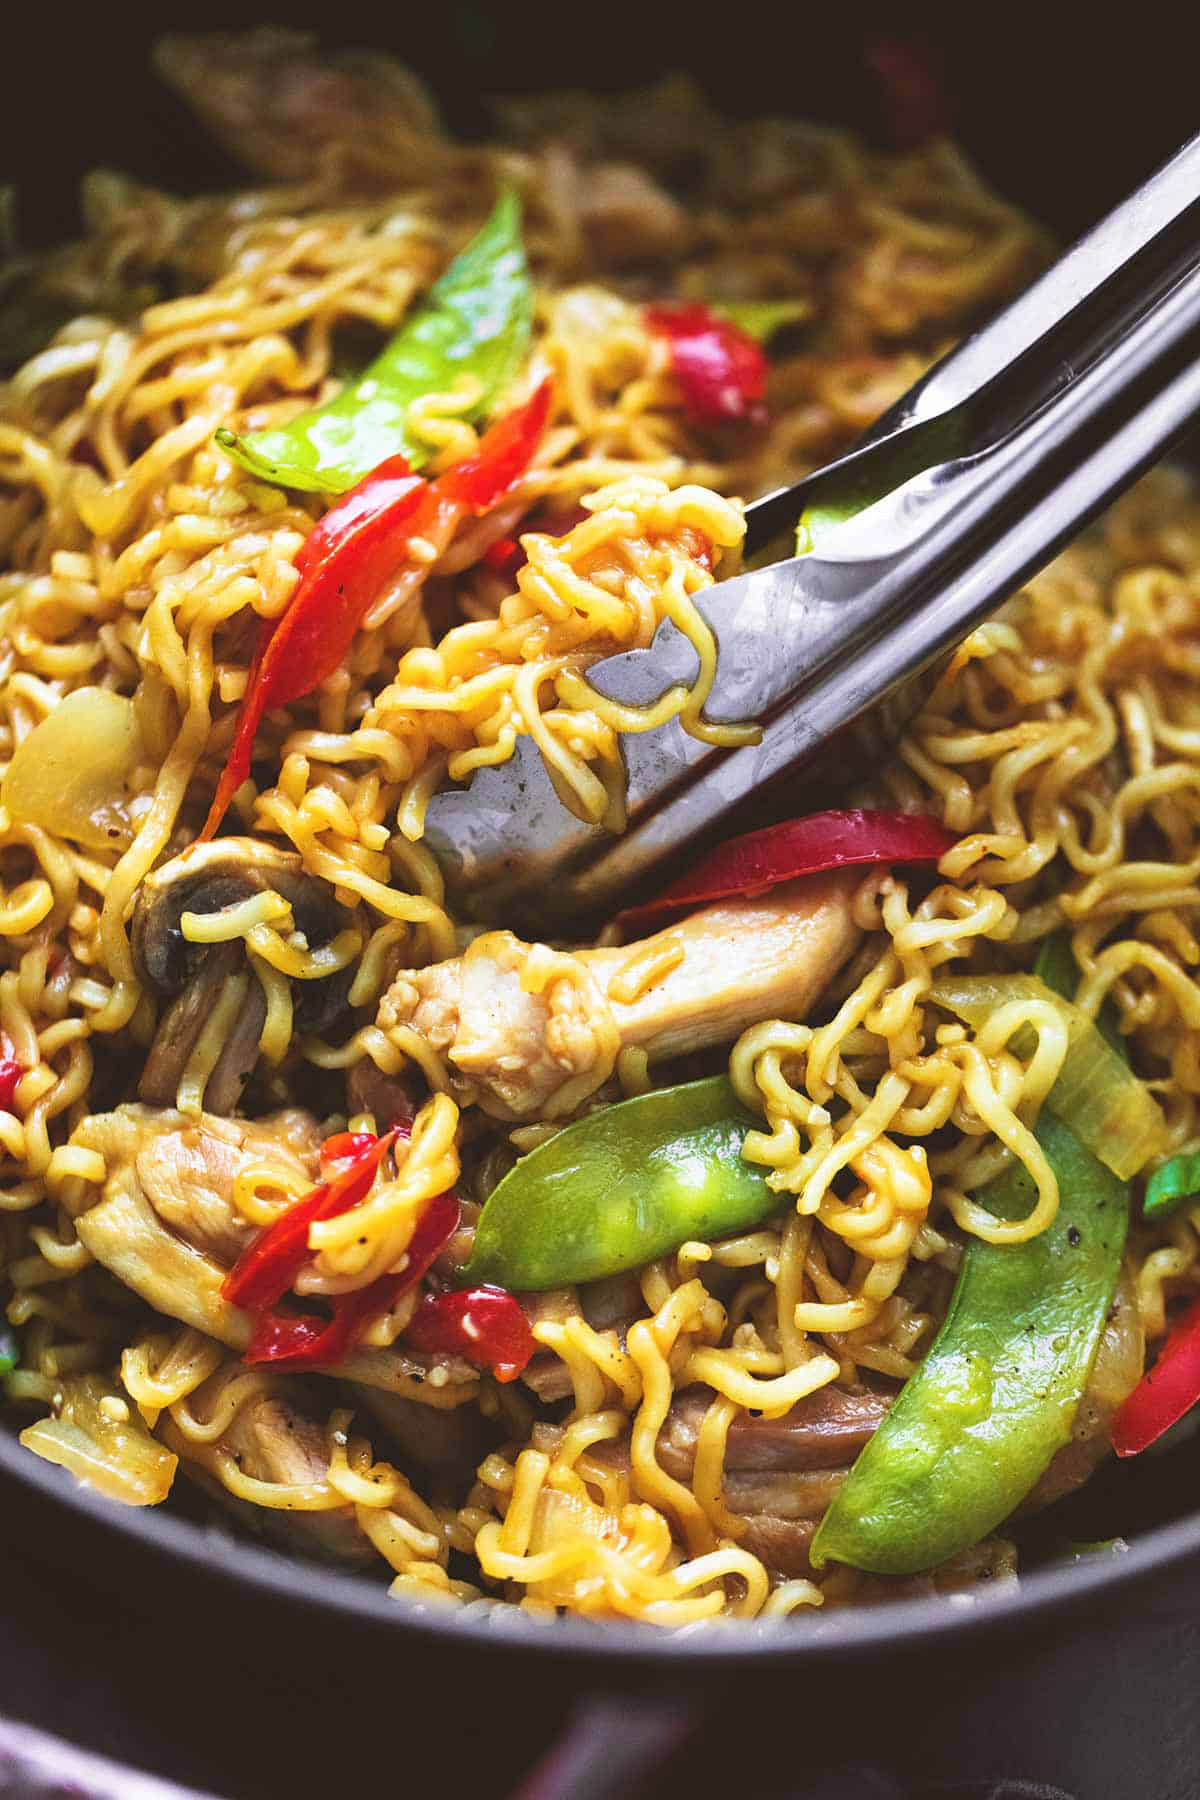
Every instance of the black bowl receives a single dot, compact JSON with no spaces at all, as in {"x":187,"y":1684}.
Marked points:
{"x":1063,"y":123}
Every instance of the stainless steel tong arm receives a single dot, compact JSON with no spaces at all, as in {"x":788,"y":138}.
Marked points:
{"x":984,"y":470}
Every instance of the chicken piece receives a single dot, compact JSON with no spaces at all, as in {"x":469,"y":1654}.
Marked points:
{"x":524,"y":1035}
{"x":280,"y":105}
{"x":511,"y":1051}
{"x":164,"y":1223}
{"x":627,"y":217}
{"x":743,"y":960}
{"x":780,"y":1474}
{"x":274,"y":1436}
{"x":186,"y":1168}
{"x":825,"y":1430}
{"x":442,"y":1447}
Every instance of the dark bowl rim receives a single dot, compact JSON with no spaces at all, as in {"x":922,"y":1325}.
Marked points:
{"x":850,"y":1632}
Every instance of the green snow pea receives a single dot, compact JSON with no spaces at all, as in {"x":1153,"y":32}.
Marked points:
{"x":475,"y":320}
{"x":622,"y":1186}
{"x":1172,"y":1185}
{"x":761,"y":319}
{"x":1057,"y":967}
{"x":995,"y":1397}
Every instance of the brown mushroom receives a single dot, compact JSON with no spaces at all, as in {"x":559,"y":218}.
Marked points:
{"x":206,"y":878}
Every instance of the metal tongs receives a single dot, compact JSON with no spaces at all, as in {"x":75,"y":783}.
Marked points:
{"x":969,"y":485}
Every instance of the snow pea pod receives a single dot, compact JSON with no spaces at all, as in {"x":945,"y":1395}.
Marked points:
{"x":995,"y":1397}
{"x":1173,"y":1184}
{"x":622,"y":1186}
{"x":1056,"y":966}
{"x":476,"y":320}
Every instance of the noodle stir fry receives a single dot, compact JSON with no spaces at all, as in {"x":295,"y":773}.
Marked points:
{"x":646,"y":1277}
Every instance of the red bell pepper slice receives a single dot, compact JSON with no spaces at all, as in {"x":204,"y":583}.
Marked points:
{"x":505,"y":556}
{"x":309,"y":1339}
{"x":266,"y":1270}
{"x":505,"y":452}
{"x":913,"y":89}
{"x":721,"y":371}
{"x":484,"y":1324}
{"x":343,"y":564}
{"x":351,"y":1146}
{"x":1167,"y":1391}
{"x":11,"y":1072}
{"x":805,"y":846}
{"x":346,"y":560}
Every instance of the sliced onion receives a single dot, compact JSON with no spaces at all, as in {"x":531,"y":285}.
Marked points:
{"x":116,"y":1456}
{"x":1096,"y":1094}
{"x":71,"y":774}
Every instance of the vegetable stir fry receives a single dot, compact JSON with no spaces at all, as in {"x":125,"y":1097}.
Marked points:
{"x":793,"y":1240}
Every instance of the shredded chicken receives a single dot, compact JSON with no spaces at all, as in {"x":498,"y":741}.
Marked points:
{"x":281,"y":106}
{"x":443,"y":1447}
{"x":186,"y":1168}
{"x":164,"y":1223}
{"x":780,"y":1474}
{"x":526,"y":1033}
{"x":272,"y":1437}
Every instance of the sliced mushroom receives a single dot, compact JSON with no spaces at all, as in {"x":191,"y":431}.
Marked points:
{"x":180,"y":1026}
{"x":206,"y":878}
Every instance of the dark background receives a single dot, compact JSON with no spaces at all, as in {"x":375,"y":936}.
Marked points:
{"x":1065,"y":105}
{"x":1064,"y":108}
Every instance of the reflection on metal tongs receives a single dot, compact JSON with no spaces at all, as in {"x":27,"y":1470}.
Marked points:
{"x":970,"y":484}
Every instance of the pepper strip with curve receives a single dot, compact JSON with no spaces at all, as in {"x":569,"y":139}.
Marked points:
{"x":810,"y":845}
{"x":347,"y":558}
{"x":484,"y":1324}
{"x":720,"y":370}
{"x":1165,"y":1393}
{"x":265,"y":1272}
{"x":309,"y":1340}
